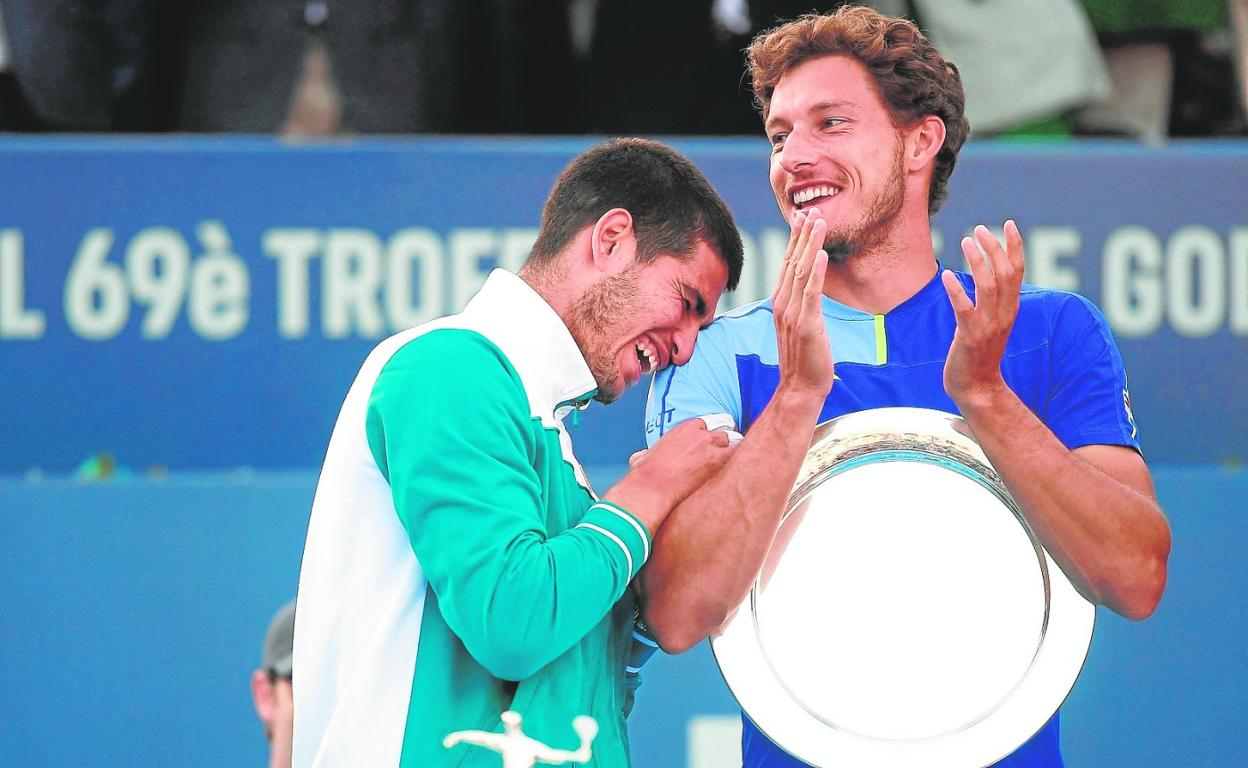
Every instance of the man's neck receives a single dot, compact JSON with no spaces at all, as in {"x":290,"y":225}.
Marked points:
{"x":885,"y":275}
{"x":545,"y":283}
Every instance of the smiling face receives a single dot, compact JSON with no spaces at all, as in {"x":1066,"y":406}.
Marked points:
{"x":646,"y":316}
{"x":834,"y":147}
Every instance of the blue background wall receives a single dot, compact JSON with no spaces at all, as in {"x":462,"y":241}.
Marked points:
{"x":133,"y":614}
{"x":132,"y":611}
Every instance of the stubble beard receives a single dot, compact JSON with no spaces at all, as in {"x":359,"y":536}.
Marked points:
{"x":592,"y":322}
{"x":845,"y":242}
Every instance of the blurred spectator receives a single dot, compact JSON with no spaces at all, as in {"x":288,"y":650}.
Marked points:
{"x":308,"y":67}
{"x":1237,"y":14}
{"x":86,"y":65}
{"x":375,"y":66}
{"x":1172,"y":66}
{"x":654,"y":66}
{"x":14,"y":112}
{"x":663,"y":67}
{"x":327,"y":67}
{"x":271,"y":686}
{"x":1024,"y":65}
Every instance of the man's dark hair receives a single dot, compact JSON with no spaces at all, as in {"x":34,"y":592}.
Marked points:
{"x":672,"y":204}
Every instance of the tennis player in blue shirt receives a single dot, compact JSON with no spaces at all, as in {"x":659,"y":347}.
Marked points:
{"x":865,"y":120}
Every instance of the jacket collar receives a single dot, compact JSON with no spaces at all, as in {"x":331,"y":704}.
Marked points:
{"x":535,"y":340}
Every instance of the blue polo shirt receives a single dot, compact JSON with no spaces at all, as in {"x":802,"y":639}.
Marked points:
{"x":1060,"y":360}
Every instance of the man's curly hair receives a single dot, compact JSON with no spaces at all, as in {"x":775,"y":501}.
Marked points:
{"x":913,"y":78}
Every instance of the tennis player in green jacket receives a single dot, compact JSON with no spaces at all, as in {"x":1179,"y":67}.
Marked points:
{"x":458,"y":564}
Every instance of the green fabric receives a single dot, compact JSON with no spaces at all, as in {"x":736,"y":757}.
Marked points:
{"x":1117,"y":16}
{"x":1055,"y":128}
{"x":881,"y":341}
{"x":524,"y":611}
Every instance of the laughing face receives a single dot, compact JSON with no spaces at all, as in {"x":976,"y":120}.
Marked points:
{"x":835,"y":148}
{"x":646,"y":317}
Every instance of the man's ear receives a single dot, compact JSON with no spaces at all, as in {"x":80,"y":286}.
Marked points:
{"x":262,"y":696}
{"x":611,"y":238}
{"x":923,"y":141}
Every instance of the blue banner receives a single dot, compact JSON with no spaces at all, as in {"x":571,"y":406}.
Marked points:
{"x":205,"y":303}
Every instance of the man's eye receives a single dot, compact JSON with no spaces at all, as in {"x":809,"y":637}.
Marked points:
{"x":832,"y":122}
{"x":687,"y":305}
{"x":778,"y":139}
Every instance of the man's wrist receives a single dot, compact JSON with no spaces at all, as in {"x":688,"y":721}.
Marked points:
{"x":985,"y":399}
{"x":797,"y":401}
{"x":645,"y":500}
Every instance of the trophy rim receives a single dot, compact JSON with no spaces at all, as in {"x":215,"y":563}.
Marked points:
{"x":908,"y":435}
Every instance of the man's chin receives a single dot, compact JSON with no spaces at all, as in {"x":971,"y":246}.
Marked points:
{"x":840,"y":249}
{"x":609,"y":388}
{"x":606,"y":397}
{"x":842,"y":246}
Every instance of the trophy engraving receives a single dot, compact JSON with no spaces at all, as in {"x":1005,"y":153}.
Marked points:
{"x":521,"y":751}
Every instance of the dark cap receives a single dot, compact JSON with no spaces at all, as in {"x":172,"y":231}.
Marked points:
{"x":279,"y":641}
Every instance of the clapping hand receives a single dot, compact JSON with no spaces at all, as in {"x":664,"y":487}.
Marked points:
{"x":802,"y":340}
{"x":973,"y":368}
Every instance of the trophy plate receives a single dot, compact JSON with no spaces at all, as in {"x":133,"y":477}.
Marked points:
{"x":906,"y":614}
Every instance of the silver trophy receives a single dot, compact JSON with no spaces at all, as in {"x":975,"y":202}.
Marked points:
{"x":521,"y":751}
{"x":906,"y":614}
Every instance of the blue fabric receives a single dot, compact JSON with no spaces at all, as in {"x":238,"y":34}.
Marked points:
{"x":1060,"y":360}
{"x":1042,"y":751}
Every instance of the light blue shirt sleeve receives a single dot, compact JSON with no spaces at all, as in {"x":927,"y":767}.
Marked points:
{"x":705,"y":385}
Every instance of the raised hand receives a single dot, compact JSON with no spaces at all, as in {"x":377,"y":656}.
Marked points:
{"x":806,"y":363}
{"x":973,"y":368}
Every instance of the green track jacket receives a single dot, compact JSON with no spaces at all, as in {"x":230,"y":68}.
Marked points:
{"x":457,"y":562}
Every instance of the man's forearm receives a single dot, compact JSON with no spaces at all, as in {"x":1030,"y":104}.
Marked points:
{"x":1092,"y":508}
{"x":709,"y":550}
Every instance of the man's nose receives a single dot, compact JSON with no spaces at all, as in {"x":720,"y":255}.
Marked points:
{"x":798,"y":152}
{"x":682,"y":344}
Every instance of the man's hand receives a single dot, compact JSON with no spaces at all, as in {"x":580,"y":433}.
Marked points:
{"x":973,"y":368}
{"x":806,"y":364}
{"x":678,"y":464}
